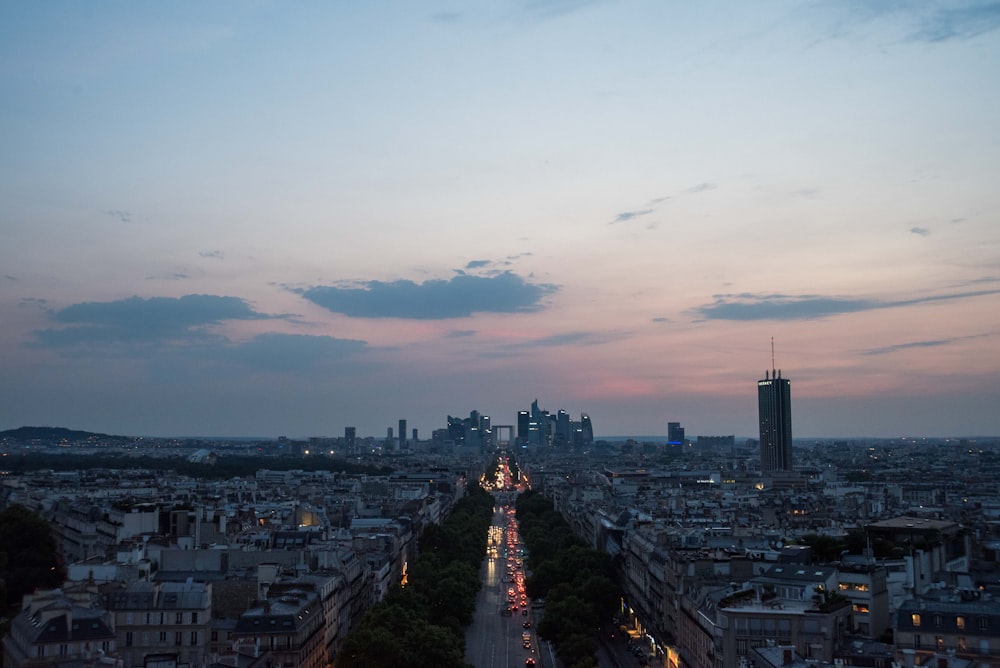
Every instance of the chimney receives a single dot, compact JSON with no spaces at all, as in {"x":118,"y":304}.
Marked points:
{"x":786,"y":656}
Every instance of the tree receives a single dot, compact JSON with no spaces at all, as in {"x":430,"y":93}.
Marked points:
{"x":29,"y":554}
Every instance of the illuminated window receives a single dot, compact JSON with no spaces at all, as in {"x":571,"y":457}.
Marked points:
{"x":960,"y":622}
{"x":916,"y":619}
{"x":860,"y":607}
{"x":961,"y":644}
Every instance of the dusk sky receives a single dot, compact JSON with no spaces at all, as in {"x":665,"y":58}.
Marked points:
{"x":284,"y":218}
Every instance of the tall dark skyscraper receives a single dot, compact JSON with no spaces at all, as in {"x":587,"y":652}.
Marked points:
{"x":774,"y":411}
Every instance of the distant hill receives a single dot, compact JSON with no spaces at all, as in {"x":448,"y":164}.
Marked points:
{"x":56,"y":435}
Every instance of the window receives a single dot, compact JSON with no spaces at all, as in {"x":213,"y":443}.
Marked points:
{"x":960,"y":622}
{"x":937,"y":621}
{"x":178,"y":638}
{"x":861,"y":608}
{"x":961,"y":644}
{"x":982,"y":624}
{"x":939,"y":642}
{"x":194,"y":617}
{"x":128,"y":638}
{"x":179,"y":618}
{"x":915,"y":618}
{"x":163,"y":637}
{"x":215,"y":636}
{"x":194,"y":638}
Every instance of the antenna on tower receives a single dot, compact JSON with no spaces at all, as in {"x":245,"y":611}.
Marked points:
{"x":772,"y":356}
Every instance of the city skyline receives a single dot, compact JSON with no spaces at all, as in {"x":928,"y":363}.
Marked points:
{"x":263,"y":219}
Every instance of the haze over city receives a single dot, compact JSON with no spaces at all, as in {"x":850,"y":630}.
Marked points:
{"x":263,"y":218}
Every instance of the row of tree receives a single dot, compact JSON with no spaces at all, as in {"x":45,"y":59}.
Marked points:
{"x":222,"y":468}
{"x":422,"y":623}
{"x":575,"y":581}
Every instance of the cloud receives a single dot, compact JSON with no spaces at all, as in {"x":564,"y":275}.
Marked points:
{"x":747,"y":306}
{"x":958,"y":21}
{"x":460,"y":333}
{"x":137,"y":320}
{"x":547,"y":9}
{"x":212,"y":254}
{"x":565,"y":339}
{"x":920,"y":231}
{"x":8,"y":277}
{"x":904,"y":346}
{"x":661,"y":319}
{"x":176,"y":276}
{"x":476,"y":264}
{"x":630,"y":215}
{"x":120,"y":214}
{"x":457,"y":297}
{"x":920,"y":21}
{"x":288,"y":352}
{"x":885,"y":350}
{"x":446,"y":17}
{"x":34,"y":302}
{"x":170,"y":336}
{"x":700,"y":188}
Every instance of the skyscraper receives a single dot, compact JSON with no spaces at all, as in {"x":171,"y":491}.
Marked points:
{"x":774,"y":411}
{"x":675,"y":433}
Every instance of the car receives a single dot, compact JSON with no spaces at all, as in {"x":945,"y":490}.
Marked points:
{"x":529,"y":662}
{"x":526,"y":624}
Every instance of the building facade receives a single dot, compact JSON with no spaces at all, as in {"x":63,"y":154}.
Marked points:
{"x":774,"y":412}
{"x":161,"y":619}
{"x":54,"y":629}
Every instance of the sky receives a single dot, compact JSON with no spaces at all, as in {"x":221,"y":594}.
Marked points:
{"x":286,"y":218}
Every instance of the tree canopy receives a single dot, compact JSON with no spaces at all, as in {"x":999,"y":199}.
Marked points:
{"x":574,"y":579}
{"x":423,"y":624}
{"x":29,"y":555}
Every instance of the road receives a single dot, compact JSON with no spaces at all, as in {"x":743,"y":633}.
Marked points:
{"x":494,"y":640}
